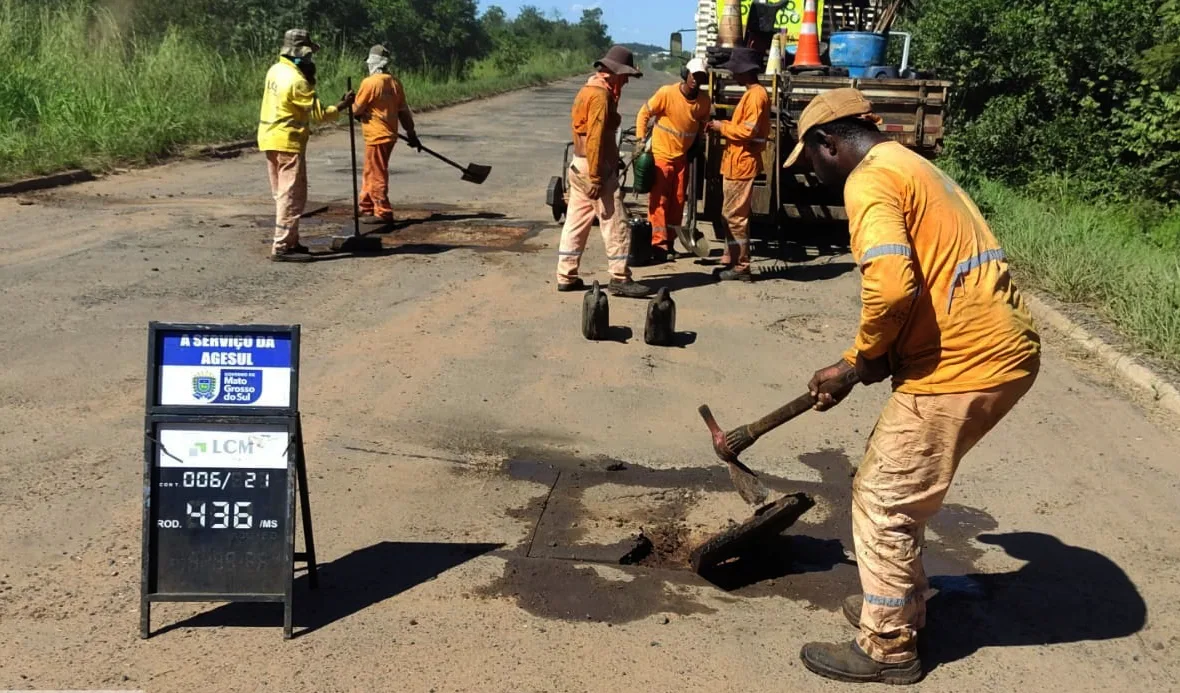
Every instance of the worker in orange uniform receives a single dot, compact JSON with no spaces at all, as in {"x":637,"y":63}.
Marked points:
{"x":681,"y":112}
{"x":380,"y":105}
{"x":942,"y":316}
{"x":594,"y":178}
{"x":741,"y":162}
{"x":289,"y":107}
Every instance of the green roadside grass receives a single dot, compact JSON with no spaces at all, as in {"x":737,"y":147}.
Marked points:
{"x":75,"y":92}
{"x":1121,"y":260}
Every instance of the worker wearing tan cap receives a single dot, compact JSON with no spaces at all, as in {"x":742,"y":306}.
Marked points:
{"x":745,"y":134}
{"x":680,"y":111}
{"x":289,"y":107}
{"x":942,"y":316}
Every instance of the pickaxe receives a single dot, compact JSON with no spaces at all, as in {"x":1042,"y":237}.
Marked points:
{"x":728,"y":445}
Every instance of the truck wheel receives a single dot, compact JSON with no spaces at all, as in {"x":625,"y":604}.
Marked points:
{"x":555,"y":197}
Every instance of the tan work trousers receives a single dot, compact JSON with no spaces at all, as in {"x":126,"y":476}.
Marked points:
{"x":735,"y":213}
{"x":579,"y":217}
{"x":910,"y":460}
{"x":288,"y":186}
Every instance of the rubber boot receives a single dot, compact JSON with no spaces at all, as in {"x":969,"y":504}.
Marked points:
{"x":847,"y":662}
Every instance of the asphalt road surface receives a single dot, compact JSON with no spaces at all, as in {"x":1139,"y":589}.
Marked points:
{"x":476,"y":465}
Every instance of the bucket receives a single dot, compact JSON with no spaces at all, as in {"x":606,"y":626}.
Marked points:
{"x":857,"y":51}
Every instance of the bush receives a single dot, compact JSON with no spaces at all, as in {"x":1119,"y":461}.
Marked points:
{"x":1082,"y":88}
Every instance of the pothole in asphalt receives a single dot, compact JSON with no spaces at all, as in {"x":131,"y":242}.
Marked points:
{"x":647,"y":522}
{"x":424,"y":229}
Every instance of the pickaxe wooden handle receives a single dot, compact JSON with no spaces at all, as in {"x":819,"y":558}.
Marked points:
{"x":743,"y":437}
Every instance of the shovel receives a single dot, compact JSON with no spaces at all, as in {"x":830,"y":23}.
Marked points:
{"x":472,"y":173}
{"x":694,"y":241}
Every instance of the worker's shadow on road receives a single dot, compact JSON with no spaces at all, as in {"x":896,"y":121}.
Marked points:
{"x":1063,"y":594}
{"x":348,"y":585}
{"x":679,"y":281}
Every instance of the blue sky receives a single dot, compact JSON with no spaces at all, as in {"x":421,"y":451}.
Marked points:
{"x":630,"y":21}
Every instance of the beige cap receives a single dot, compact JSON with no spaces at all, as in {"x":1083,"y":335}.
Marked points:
{"x":298,"y":44}
{"x":828,"y":107}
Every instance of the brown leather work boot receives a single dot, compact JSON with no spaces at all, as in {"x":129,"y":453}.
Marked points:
{"x":847,"y":662}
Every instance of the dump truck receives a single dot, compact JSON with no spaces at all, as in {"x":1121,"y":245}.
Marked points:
{"x":910,"y":102}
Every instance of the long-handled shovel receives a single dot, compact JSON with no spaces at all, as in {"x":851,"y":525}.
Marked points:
{"x":356,"y":242}
{"x":472,"y":173}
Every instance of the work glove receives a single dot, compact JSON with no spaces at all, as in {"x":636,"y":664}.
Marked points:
{"x":413,"y":141}
{"x":820,"y":385}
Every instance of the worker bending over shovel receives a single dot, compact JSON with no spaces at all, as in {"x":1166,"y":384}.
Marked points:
{"x":681,"y":112}
{"x":940,"y":315}
{"x":380,"y":105}
{"x":741,"y":162}
{"x":594,"y":178}
{"x":289,"y":107}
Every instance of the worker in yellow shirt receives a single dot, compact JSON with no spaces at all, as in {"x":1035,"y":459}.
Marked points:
{"x":680,"y":111}
{"x":942,"y":316}
{"x":380,"y":105}
{"x":745,"y":134}
{"x":289,"y":107}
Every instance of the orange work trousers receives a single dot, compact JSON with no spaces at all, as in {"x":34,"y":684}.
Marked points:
{"x":375,"y":181}
{"x":912,"y":456}
{"x":665,"y":201}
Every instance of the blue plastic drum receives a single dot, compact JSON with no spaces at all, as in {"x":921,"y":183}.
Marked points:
{"x":857,"y":51}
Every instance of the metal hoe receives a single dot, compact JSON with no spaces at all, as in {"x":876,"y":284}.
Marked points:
{"x":729,"y":444}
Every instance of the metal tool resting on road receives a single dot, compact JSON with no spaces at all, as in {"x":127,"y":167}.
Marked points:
{"x":728,"y":445}
{"x":472,"y":173}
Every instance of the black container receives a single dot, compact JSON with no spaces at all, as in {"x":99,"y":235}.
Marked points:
{"x":661,"y":319}
{"x":595,"y":314}
{"x":640,"y":254}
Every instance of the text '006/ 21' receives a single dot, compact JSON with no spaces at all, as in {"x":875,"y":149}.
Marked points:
{"x":225,"y":479}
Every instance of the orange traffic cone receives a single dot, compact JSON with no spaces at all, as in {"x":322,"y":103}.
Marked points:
{"x":729,"y":34}
{"x":807,"y":51}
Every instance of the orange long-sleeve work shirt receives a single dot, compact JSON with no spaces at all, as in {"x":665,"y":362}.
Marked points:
{"x":595,"y":120}
{"x":678,"y":121}
{"x":936,"y":294}
{"x":379,"y":100}
{"x":746,"y":132}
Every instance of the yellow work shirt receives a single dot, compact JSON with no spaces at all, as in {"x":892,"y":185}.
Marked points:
{"x":936,"y":293}
{"x":746,"y":132}
{"x":289,"y":107}
{"x":378,"y":101}
{"x":678,"y":121}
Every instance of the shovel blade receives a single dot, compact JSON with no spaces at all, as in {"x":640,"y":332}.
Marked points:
{"x":476,"y":173}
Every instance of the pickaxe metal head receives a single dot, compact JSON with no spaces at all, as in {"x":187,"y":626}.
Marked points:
{"x":747,"y":483}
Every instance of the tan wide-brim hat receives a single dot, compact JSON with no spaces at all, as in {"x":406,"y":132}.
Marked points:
{"x":298,"y":44}
{"x":828,"y":107}
{"x":619,"y":61}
